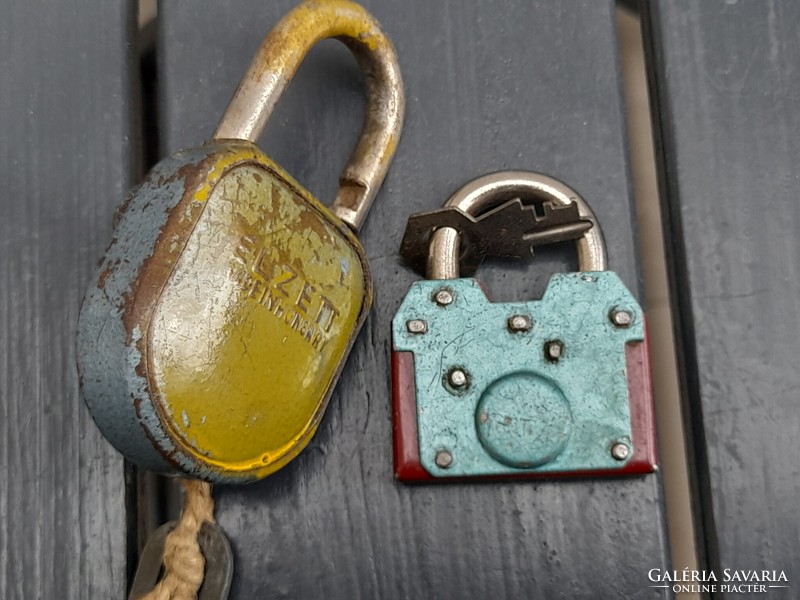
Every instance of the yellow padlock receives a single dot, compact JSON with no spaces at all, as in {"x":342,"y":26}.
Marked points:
{"x":224,"y":308}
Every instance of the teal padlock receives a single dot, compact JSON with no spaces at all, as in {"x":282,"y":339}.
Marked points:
{"x":552,"y":387}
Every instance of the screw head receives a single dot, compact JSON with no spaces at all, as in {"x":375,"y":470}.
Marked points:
{"x":621,"y":318}
{"x":443,"y":459}
{"x":417,"y":326}
{"x":519,"y":323}
{"x":620,"y":451}
{"x":554,"y":350}
{"x":457,"y":378}
{"x":443,"y":297}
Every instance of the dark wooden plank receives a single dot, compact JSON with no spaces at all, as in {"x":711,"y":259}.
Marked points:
{"x":724,"y":81}
{"x":530,"y":85}
{"x":66,"y":155}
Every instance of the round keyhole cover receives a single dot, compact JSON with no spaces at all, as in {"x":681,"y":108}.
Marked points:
{"x":523,"y":420}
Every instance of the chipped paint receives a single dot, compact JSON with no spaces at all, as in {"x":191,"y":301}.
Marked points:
{"x":260,"y":263}
{"x":521,"y":412}
{"x":147,"y":284}
{"x":229,"y":298}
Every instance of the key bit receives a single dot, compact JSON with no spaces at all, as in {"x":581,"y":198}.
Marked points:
{"x":510,"y":230}
{"x":216,"y":551}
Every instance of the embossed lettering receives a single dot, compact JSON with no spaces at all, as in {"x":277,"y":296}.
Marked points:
{"x":286,"y":277}
{"x":311,"y":315}
{"x":327,"y":311}
{"x":246,"y":247}
{"x":304,"y":297}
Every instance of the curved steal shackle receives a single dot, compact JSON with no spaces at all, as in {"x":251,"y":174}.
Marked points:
{"x":275,"y":64}
{"x":489,"y":191}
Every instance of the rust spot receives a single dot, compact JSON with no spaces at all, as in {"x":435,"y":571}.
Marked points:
{"x":155,"y":270}
{"x":195,"y":175}
{"x":266,"y":59}
{"x":123,"y":208}
{"x":101,"y":280}
{"x":168,"y":456}
{"x":351,"y":194}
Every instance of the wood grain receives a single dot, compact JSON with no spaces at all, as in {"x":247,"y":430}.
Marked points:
{"x":66,"y":155}
{"x":490,"y":86}
{"x":724,"y":80}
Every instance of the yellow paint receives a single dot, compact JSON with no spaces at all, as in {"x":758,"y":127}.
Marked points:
{"x":223,"y":161}
{"x":313,"y":21}
{"x":349,"y":19}
{"x":251,"y":329}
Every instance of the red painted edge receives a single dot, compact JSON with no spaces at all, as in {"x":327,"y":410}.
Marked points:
{"x":640,"y":393}
{"x":408,"y":467}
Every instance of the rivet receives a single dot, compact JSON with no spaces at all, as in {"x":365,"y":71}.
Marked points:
{"x":621,"y":318}
{"x":417,"y":326}
{"x":457,"y":378}
{"x":519,"y":323}
{"x":620,"y":451}
{"x":444,"y":459}
{"x":554,"y":350}
{"x":443,"y":297}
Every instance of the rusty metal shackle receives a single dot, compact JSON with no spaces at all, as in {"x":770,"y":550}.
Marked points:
{"x":274,"y":66}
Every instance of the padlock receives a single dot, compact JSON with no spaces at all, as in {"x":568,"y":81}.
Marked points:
{"x":553,"y":387}
{"x":225,"y":307}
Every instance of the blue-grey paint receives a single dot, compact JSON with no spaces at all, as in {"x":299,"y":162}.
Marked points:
{"x":521,"y":411}
{"x":107,"y":353}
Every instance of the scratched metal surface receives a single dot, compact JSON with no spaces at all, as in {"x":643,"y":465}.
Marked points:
{"x":490,"y":86}
{"x":584,"y":414}
{"x":66,"y":158}
{"x":724,"y":75}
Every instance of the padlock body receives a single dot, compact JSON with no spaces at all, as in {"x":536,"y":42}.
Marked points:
{"x":220,"y":317}
{"x":521,"y":412}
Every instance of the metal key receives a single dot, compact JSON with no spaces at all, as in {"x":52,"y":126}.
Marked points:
{"x":510,"y":230}
{"x":216,"y":551}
